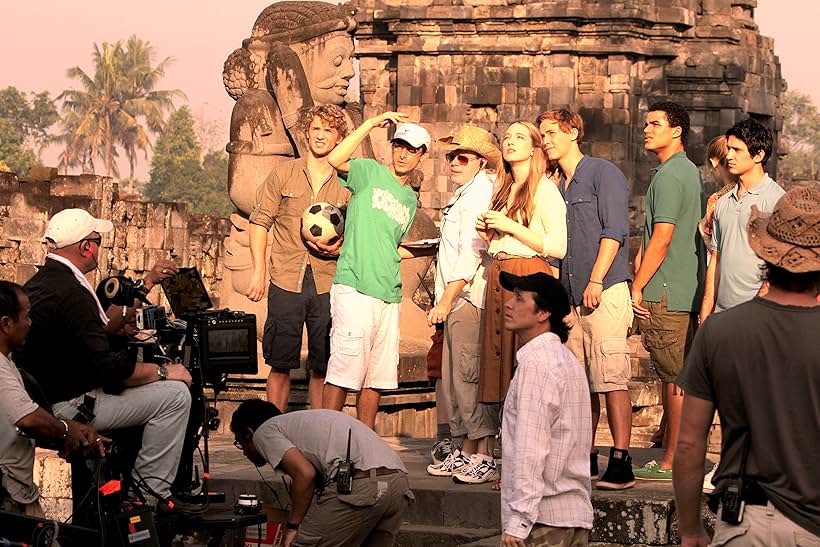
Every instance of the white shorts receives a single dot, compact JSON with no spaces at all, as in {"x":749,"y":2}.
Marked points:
{"x":364,"y":341}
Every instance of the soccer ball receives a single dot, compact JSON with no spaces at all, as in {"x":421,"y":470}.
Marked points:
{"x":323,"y":223}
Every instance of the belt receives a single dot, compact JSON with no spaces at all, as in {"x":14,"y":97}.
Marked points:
{"x":755,"y":495}
{"x":376,"y":472}
{"x":85,"y":412}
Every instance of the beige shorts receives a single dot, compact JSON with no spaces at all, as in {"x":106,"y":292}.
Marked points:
{"x":364,"y":341}
{"x":598,"y":339}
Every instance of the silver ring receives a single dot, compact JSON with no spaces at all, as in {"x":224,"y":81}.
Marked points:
{"x":98,"y":440}
{"x":164,"y":271}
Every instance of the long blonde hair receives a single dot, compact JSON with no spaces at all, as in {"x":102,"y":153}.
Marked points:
{"x":524,"y":201}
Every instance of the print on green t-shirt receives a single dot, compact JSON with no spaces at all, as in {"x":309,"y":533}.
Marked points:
{"x":675,"y":196}
{"x":379,"y":213}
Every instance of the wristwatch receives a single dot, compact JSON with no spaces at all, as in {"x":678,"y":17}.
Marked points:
{"x":162,"y":372}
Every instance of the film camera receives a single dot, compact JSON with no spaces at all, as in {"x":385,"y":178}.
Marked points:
{"x":211,"y":344}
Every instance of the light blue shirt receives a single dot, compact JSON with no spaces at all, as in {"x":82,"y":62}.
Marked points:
{"x":739,"y":271}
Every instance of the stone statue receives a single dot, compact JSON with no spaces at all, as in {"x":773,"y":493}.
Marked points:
{"x":299,"y":54}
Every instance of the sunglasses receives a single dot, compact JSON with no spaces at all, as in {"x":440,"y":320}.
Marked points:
{"x":97,"y":240}
{"x":413,"y":151}
{"x":461,"y":159}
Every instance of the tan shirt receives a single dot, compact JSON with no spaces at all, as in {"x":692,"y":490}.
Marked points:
{"x":283,"y":198}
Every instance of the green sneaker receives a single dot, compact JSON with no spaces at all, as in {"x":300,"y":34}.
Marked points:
{"x":652,"y":472}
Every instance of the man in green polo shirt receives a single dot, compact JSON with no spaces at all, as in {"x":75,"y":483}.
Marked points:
{"x":666,"y":292}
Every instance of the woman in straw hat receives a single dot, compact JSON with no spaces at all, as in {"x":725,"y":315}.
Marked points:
{"x":525,"y":226}
{"x":460,"y":293}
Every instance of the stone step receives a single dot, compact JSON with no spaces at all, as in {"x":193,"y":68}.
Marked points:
{"x":423,"y":535}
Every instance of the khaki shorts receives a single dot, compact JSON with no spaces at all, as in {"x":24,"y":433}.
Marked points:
{"x":598,"y":339}
{"x":370,"y":515}
{"x":552,"y":536}
{"x":667,"y":336}
{"x":762,"y":525}
{"x":364,"y":341}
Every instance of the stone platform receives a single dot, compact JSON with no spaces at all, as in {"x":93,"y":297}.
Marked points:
{"x":450,"y":514}
{"x":444,"y":514}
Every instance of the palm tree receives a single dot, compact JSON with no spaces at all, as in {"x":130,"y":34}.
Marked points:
{"x":117,"y":107}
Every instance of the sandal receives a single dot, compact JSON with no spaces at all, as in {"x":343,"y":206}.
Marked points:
{"x":496,"y":485}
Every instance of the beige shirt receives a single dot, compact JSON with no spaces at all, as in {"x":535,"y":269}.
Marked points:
{"x":549,"y":218}
{"x":283,"y":198}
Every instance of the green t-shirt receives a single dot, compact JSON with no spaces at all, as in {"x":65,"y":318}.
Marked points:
{"x":676,"y":196}
{"x":379,"y":213}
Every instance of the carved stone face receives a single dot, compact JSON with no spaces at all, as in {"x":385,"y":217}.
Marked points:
{"x":329,"y":68}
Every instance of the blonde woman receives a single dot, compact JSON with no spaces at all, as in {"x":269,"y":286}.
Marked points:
{"x":525,"y":226}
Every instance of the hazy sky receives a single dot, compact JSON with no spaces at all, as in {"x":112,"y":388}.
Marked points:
{"x":40,"y":39}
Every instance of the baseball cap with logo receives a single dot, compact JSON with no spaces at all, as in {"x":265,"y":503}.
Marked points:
{"x":70,"y":226}
{"x":414,"y":135}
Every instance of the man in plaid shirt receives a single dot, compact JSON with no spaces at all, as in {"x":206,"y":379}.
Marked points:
{"x":545,"y":484}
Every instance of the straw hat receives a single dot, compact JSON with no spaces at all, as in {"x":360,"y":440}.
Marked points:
{"x":789,"y":236}
{"x":471,"y":138}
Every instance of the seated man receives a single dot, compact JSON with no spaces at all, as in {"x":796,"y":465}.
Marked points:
{"x":308,"y":446}
{"x":70,"y":355}
{"x":19,"y":414}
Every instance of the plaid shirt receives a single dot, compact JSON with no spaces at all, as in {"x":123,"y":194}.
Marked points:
{"x":546,"y":430}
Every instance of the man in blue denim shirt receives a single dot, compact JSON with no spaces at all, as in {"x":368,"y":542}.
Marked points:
{"x":595,"y":273}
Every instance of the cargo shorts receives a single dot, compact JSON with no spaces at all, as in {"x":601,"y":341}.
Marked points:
{"x":667,"y":336}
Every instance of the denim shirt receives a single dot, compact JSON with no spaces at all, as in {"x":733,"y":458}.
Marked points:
{"x":597,"y":200}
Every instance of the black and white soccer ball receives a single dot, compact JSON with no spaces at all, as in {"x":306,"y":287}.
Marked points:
{"x":323,"y":223}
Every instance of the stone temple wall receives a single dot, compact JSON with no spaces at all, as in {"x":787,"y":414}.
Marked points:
{"x":491,"y":62}
{"x":143,"y":232}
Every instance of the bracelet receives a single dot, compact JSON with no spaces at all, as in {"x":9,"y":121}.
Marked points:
{"x":65,"y":425}
{"x":596,"y":282}
{"x":291,"y":525}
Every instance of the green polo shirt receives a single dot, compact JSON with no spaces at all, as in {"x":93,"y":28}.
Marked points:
{"x":676,"y":196}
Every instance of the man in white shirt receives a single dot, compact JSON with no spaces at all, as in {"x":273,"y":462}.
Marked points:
{"x":461,"y":282}
{"x":547,"y":422}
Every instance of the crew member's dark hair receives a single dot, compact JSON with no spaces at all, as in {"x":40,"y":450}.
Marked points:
{"x":754,"y":135}
{"x":785,"y":280}
{"x":554,"y":299}
{"x":251,"y":414}
{"x":10,"y":299}
{"x":676,"y":116}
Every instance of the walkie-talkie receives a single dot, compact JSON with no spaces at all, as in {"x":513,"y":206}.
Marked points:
{"x":344,"y":476}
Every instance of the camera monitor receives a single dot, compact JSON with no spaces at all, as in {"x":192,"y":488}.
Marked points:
{"x":186,"y":293}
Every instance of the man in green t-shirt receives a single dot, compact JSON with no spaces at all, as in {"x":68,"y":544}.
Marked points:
{"x":366,"y":292}
{"x":666,"y":292}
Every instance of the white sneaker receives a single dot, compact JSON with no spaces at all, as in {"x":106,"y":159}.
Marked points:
{"x":708,"y":487}
{"x":441,"y":450}
{"x":450,"y":465}
{"x":478,"y":471}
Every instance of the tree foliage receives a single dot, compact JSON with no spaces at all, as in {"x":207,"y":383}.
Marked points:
{"x":801,"y":134}
{"x":24,"y":125}
{"x":177,"y":174}
{"x":117,"y":108}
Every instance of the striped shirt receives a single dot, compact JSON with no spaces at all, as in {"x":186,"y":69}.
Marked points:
{"x":547,"y":425}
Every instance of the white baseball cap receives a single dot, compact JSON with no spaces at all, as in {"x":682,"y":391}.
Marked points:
{"x":72,"y":225}
{"x":414,"y":135}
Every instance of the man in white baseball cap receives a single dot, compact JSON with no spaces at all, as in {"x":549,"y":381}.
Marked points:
{"x":366,"y":292}
{"x":71,"y":226}
{"x":69,"y":353}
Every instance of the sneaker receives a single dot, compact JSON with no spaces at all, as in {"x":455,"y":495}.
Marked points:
{"x":618,"y":474}
{"x":441,"y":450}
{"x":451,"y":464}
{"x":708,"y":487}
{"x":594,"y":473}
{"x":652,"y":472}
{"x":478,"y":471}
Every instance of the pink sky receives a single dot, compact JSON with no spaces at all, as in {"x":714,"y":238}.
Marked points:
{"x":41,"y":39}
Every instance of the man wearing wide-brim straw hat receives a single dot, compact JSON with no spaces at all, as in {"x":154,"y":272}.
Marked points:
{"x":757,"y":364}
{"x":460,"y":288}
